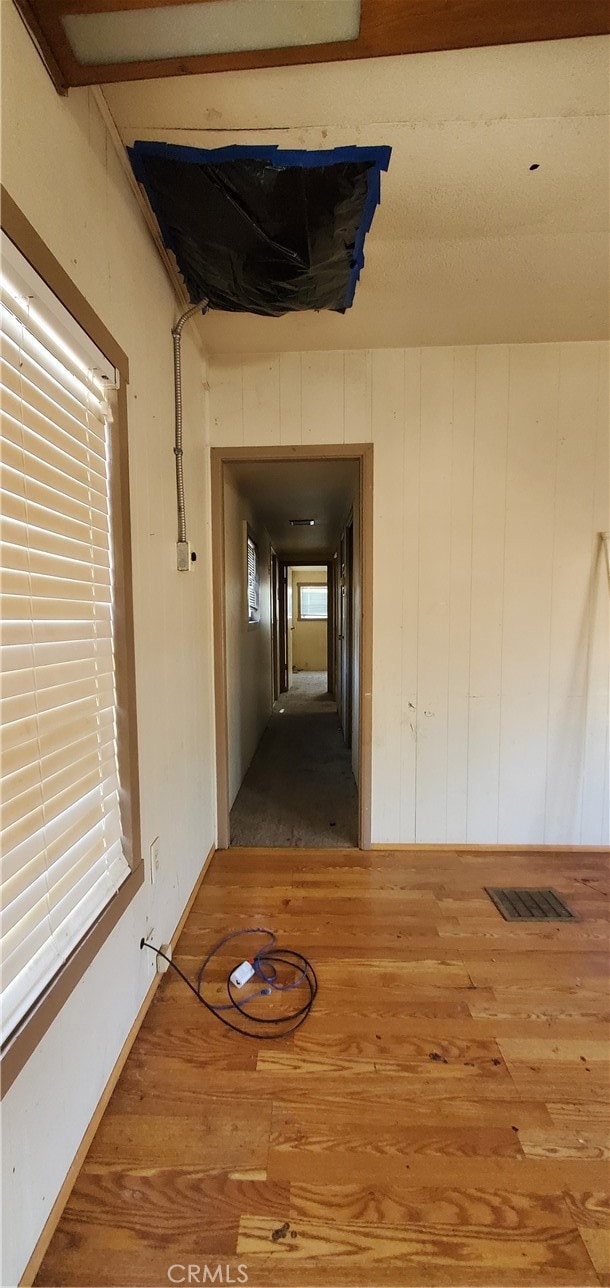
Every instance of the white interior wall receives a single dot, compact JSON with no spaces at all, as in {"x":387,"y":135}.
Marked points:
{"x":61,"y":169}
{"x":248,"y":647}
{"x":490,"y":667}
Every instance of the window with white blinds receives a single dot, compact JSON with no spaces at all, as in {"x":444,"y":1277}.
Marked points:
{"x":253,"y":582}
{"x":62,"y":844}
{"x":313,"y":603}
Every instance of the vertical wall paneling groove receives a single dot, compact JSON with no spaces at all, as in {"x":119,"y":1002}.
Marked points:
{"x":387,"y":420}
{"x":490,"y":597}
{"x":291,"y":401}
{"x":596,"y":744}
{"x":573,"y":555}
{"x":409,"y":594}
{"x":460,"y":576}
{"x":323,"y":397}
{"x":530,"y":483}
{"x":227,"y":405}
{"x":357,"y":384}
{"x":261,"y":400}
{"x":602,"y":524}
{"x":434,"y":571}
{"x":486,"y":602}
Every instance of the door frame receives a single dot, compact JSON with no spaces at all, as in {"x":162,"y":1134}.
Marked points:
{"x":274,"y":571}
{"x":286,"y":565}
{"x":330,"y":627}
{"x":344,"y":629}
{"x":220,"y":457}
{"x":282,"y":626}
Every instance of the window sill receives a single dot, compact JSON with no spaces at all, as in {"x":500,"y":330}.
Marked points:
{"x":23,"y":1042}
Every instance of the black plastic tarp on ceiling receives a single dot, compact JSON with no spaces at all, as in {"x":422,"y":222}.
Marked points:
{"x":261,"y":230}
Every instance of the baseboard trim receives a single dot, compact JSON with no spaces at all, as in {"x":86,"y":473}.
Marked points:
{"x":439,"y":847}
{"x":55,"y":1214}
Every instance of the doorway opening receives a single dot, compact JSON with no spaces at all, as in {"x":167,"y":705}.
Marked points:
{"x":307,"y":635}
{"x":292,"y":592}
{"x":299,"y":788}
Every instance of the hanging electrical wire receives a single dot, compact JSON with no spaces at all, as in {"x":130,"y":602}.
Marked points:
{"x":183,"y":547}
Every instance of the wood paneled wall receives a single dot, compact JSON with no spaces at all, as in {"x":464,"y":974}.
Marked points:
{"x":490,"y":687}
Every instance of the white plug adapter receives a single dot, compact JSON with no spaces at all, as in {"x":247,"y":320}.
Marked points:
{"x":242,"y":974}
{"x":162,"y":961}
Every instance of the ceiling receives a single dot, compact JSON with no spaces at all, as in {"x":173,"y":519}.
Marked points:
{"x":284,"y":490}
{"x":469,"y":245}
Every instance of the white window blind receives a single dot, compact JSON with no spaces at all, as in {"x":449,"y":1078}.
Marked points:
{"x":62,"y":846}
{"x":253,"y":586}
{"x":314,"y":603}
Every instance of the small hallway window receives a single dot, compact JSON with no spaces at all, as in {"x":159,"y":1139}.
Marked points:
{"x":313,"y":603}
{"x":254,"y":614}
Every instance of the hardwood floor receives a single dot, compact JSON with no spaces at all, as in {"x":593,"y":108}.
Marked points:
{"x":440,"y":1119}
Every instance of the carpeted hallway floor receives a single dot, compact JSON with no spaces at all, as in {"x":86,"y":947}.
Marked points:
{"x":299,"y":789}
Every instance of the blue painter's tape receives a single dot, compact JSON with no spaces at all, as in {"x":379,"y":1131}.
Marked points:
{"x":272,"y":153}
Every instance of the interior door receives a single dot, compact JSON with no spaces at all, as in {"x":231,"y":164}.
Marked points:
{"x":330,"y":628}
{"x":345,"y":633}
{"x":346,"y":630}
{"x":337,"y":632}
{"x":283,"y":626}
{"x":275,"y":625}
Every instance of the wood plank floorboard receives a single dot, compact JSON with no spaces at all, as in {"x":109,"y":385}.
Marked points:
{"x":439,"y":1121}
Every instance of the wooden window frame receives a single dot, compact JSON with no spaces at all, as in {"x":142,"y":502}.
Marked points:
{"x":311,"y":585}
{"x":23,"y":1042}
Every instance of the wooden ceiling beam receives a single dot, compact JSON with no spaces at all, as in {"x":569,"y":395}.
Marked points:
{"x":388,"y":27}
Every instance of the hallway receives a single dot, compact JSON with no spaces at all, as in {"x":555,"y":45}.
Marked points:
{"x":299,"y":789}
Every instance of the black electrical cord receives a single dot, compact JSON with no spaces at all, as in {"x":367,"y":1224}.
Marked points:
{"x":266,"y":957}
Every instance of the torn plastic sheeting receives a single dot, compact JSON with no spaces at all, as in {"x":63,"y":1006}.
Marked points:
{"x":260,"y":229}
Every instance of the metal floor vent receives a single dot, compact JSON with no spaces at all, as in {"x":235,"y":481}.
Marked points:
{"x":530,"y":905}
